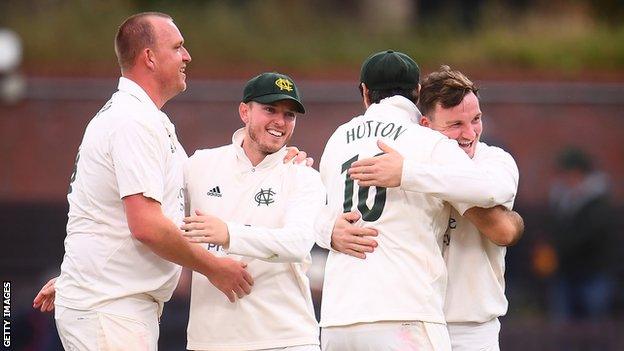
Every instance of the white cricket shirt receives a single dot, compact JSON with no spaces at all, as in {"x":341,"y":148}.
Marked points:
{"x":270,"y":211}
{"x":405,"y":278}
{"x":129,"y":147}
{"x":476,"y":266}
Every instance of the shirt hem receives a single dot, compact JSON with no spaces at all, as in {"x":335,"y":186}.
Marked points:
{"x":200,"y":346}
{"x":355,"y":320}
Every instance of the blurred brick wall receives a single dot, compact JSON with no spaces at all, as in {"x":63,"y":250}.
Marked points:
{"x":39,"y":139}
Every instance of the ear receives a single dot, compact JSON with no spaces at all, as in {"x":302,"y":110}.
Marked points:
{"x":148,"y":58}
{"x":425,"y":121}
{"x":365,"y":95}
{"x":243,"y":112}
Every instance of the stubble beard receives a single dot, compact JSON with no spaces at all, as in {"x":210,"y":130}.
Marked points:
{"x":264,"y":149}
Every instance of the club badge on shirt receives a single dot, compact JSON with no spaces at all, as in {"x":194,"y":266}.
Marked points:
{"x":265,"y":197}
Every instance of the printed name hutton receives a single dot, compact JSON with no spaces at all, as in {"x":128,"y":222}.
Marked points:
{"x":6,"y":314}
{"x":374,"y":129}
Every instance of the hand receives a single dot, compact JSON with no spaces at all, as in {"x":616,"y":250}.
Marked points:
{"x":384,"y":170}
{"x":45,"y":298}
{"x":351,"y":239}
{"x":203,"y":228}
{"x":231,"y":278}
{"x":298,"y":156}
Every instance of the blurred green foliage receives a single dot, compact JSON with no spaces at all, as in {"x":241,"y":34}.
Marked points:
{"x":320,"y":36}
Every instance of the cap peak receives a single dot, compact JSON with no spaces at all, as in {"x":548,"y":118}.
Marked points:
{"x":270,"y":87}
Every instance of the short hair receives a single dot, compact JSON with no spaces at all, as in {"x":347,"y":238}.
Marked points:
{"x":133,"y":35}
{"x":446,"y":87}
{"x":376,"y":95}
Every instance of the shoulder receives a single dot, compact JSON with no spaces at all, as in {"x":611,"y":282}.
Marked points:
{"x":302,"y":170}
{"x":204,"y":160}
{"x":428,"y":133}
{"x":346,"y":126}
{"x":485,"y":151}
{"x":126,"y":104}
{"x":303,"y":175}
{"x":127,"y":113}
{"x":421,"y":140}
{"x":203,"y":155}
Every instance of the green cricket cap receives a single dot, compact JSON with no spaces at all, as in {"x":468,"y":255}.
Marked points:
{"x":270,"y":87}
{"x":390,"y":70}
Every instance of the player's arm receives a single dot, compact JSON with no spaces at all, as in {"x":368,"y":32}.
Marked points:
{"x":139,"y":158}
{"x":502,"y":226}
{"x":45,"y":297}
{"x":338,"y":231}
{"x":290,"y":243}
{"x":451,"y":176}
{"x":149,"y":225}
{"x":352,"y":239}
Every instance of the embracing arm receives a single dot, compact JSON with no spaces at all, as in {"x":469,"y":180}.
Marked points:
{"x":291,"y":242}
{"x":502,"y":226}
{"x":451,"y":176}
{"x":149,"y":225}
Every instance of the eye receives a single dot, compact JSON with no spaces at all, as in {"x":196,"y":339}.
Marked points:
{"x":476,"y":119}
{"x":269,"y":109}
{"x":290,"y":115}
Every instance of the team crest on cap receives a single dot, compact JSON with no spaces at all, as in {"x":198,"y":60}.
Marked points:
{"x":284,"y":84}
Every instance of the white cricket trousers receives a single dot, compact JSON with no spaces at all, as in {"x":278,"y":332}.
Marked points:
{"x":386,"y":336}
{"x":103,"y":330}
{"x":292,"y":348}
{"x":295,"y":348}
{"x":475,"y":336}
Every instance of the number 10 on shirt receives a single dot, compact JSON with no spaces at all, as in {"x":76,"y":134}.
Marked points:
{"x":368,"y":214}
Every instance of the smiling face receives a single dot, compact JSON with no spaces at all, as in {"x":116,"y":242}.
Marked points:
{"x":171,"y":57}
{"x":461,"y":123}
{"x":268,"y":127}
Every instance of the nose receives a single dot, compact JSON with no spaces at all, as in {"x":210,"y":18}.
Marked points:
{"x":186,"y":56}
{"x":281,"y":119}
{"x":468,"y":132}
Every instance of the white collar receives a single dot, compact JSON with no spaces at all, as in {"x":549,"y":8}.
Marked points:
{"x":129,"y":86}
{"x":269,"y":160}
{"x":405,"y":107}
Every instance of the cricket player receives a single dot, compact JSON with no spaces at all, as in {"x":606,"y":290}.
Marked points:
{"x":474,"y":245}
{"x":394,"y":299}
{"x":250,"y":206}
{"x":475,"y":242}
{"x":124,"y":246}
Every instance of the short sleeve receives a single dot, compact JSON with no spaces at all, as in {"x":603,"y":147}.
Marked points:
{"x":139,"y":160}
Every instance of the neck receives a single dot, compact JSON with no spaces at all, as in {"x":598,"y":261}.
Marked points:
{"x":255,"y":156}
{"x":150,"y":87}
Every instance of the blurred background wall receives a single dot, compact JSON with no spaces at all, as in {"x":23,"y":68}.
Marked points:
{"x":552,"y":91}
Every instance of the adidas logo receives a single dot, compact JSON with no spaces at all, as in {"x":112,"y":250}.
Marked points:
{"x":214,"y":192}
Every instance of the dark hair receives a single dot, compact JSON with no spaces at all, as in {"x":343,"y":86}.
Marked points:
{"x":446,"y":87}
{"x":376,"y":95}
{"x":133,"y":35}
